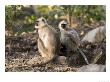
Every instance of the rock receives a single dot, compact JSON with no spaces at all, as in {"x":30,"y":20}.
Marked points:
{"x":92,"y":68}
{"x":95,"y":35}
{"x":61,"y":60}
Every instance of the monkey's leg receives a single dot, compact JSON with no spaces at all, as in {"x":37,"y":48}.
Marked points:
{"x":85,"y":58}
{"x":43,"y":59}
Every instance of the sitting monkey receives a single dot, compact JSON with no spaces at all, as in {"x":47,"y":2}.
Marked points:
{"x":48,"y":43}
{"x":70,"y":39}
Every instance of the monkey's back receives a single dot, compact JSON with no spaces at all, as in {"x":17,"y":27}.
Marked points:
{"x":70,"y":39}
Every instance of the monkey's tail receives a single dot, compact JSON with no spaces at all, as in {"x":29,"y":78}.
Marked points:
{"x":85,"y":58}
{"x":38,"y":61}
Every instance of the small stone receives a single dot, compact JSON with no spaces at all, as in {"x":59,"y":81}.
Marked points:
{"x":61,"y":60}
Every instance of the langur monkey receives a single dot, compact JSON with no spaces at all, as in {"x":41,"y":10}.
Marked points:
{"x":48,"y":42}
{"x":69,"y":38}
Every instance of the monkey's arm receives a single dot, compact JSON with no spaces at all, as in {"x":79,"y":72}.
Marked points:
{"x":72,"y":38}
{"x":41,"y":46}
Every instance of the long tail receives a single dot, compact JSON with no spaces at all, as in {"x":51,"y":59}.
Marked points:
{"x":38,"y":61}
{"x":85,"y":58}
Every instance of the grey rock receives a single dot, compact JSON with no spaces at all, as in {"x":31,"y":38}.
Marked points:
{"x":92,"y":68}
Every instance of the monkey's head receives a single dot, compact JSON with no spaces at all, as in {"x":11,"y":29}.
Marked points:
{"x":40,"y":22}
{"x":63,"y":25}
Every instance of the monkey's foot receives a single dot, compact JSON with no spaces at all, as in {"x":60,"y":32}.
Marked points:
{"x":36,"y":61}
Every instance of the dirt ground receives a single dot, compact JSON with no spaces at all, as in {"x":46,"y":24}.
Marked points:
{"x":20,"y":49}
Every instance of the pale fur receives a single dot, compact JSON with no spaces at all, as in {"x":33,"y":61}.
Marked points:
{"x":48,"y":43}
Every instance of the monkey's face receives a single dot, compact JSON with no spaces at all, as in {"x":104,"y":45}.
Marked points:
{"x":63,"y":25}
{"x":41,"y":22}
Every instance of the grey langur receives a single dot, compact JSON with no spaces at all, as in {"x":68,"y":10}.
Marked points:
{"x":70,"y":38}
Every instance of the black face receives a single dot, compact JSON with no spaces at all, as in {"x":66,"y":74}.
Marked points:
{"x":43,"y":20}
{"x":36,"y":23}
{"x":63,"y":26}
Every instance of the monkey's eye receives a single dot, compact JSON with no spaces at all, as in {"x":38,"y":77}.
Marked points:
{"x":63,"y":26}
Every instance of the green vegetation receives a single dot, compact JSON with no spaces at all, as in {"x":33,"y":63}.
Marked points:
{"x":20,"y":18}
